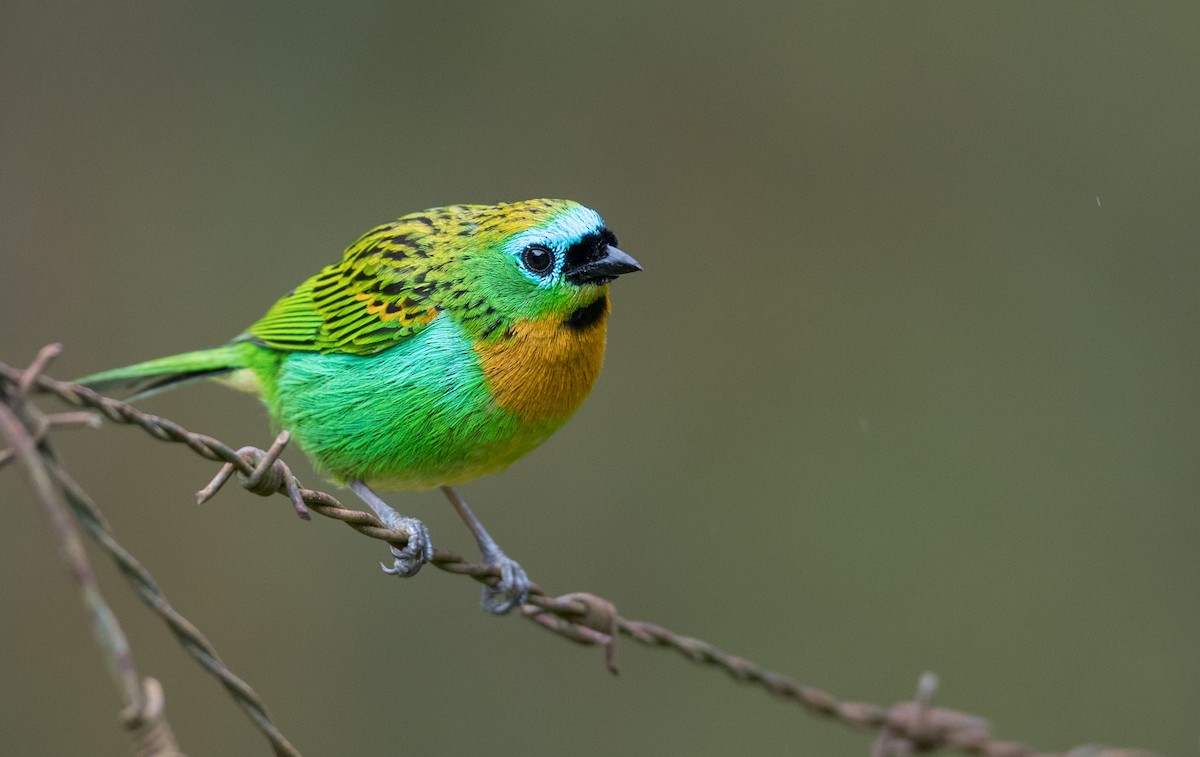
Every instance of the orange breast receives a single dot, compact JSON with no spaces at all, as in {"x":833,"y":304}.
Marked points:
{"x":545,"y":370}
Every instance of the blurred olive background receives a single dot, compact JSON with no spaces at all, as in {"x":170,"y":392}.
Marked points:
{"x":909,"y":382}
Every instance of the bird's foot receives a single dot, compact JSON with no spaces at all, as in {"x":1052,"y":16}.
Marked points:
{"x":511,"y":590}
{"x":418,"y":550}
{"x":416,"y":553}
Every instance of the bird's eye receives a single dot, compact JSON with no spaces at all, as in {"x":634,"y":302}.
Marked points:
{"x":537,"y":259}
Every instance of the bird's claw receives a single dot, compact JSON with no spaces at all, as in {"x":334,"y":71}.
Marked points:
{"x":512,"y":589}
{"x":416,"y":553}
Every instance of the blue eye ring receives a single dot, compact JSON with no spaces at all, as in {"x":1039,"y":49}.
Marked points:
{"x":538,"y":259}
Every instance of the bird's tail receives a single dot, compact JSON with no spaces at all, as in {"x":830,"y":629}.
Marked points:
{"x":154,"y":376}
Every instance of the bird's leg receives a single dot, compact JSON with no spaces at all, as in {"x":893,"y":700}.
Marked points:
{"x":417,"y":552}
{"x":513,"y":588}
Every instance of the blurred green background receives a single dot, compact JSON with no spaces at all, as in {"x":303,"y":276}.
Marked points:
{"x":909,"y":382}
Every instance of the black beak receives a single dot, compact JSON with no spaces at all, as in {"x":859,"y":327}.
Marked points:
{"x":599,"y":268}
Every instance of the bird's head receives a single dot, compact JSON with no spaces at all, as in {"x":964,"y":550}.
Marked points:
{"x":540,"y":259}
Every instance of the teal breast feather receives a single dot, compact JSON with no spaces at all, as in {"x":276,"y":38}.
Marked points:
{"x":417,"y":415}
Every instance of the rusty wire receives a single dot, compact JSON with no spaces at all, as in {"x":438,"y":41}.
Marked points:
{"x":142,"y":716}
{"x":26,"y":429}
{"x":906,"y":728}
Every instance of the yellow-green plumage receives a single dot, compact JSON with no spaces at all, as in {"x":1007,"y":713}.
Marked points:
{"x":435,"y":351}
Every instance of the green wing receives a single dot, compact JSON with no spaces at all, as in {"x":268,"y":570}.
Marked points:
{"x":385,"y":290}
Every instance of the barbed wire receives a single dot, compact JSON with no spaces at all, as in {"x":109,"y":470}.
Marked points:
{"x":26,"y":428}
{"x":142,"y":715}
{"x":906,"y":728}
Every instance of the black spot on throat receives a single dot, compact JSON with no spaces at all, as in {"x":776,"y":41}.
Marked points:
{"x":587,"y":316}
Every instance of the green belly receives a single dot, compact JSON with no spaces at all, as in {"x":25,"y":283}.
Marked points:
{"x":415,"y":416}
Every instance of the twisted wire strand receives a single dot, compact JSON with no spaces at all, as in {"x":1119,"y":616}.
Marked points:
{"x":142,"y":714}
{"x":904,"y":728}
{"x":147,"y":589}
{"x":193,"y":641}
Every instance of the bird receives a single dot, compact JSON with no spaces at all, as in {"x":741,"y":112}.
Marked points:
{"x":442,"y":347}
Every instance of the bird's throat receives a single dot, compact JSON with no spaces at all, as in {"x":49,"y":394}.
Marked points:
{"x":547,"y":367}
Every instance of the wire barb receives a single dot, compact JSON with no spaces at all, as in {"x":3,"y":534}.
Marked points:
{"x":905,"y":728}
{"x":580,"y":617}
{"x":44,"y":357}
{"x":268,"y":475}
{"x":152,"y":736}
